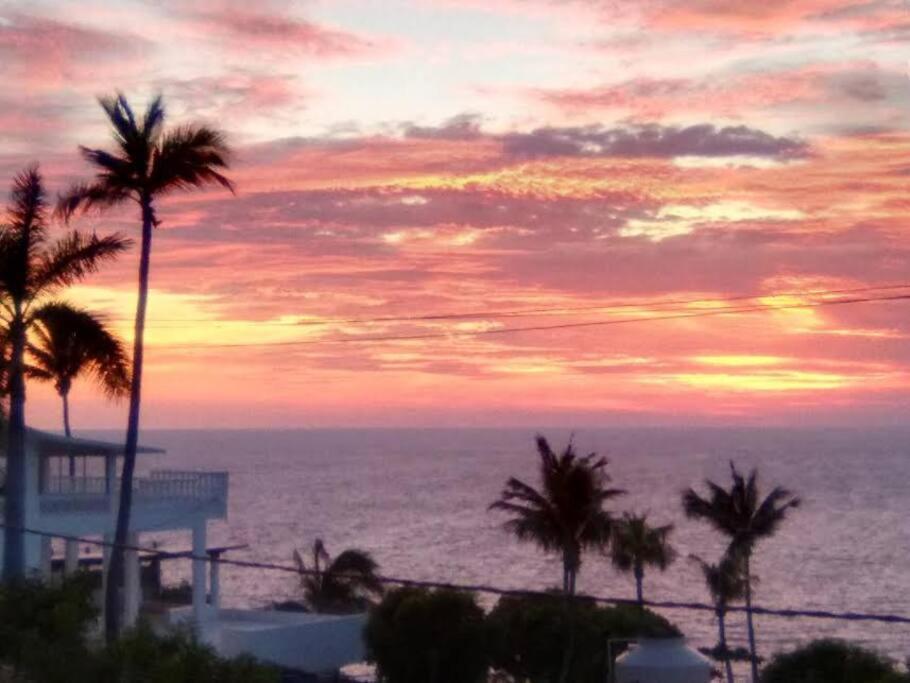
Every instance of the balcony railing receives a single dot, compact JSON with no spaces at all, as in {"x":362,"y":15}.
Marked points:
{"x":90,"y":494}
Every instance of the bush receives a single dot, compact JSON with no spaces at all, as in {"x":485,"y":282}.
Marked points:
{"x":420,"y":636}
{"x":43,"y":628}
{"x":831,"y":661}
{"x":43,"y":639}
{"x":141,"y":655}
{"x":529,"y":636}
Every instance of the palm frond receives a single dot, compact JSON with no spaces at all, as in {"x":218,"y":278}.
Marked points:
{"x":70,"y":341}
{"x":83,"y":197}
{"x":190,"y":157}
{"x":73,"y":257}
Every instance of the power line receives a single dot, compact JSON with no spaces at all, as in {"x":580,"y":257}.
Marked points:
{"x":538,"y":328}
{"x":518,"y":313}
{"x":486,"y":588}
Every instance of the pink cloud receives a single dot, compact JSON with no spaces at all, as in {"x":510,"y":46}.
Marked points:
{"x":243,"y":29}
{"x":47,"y":51}
{"x":731,"y":95}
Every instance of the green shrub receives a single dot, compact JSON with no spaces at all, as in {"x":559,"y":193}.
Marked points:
{"x":43,"y":639}
{"x":141,"y":655}
{"x":420,"y":636}
{"x":529,"y":636}
{"x":831,"y":661}
{"x":43,"y":628}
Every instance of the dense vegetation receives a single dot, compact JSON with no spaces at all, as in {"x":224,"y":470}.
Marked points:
{"x":832,"y":661}
{"x":527,"y":636}
{"x":420,"y":636}
{"x":46,"y":637}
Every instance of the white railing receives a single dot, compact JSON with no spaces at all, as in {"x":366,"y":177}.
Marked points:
{"x":90,"y":494}
{"x":167,"y":484}
{"x":76,"y":486}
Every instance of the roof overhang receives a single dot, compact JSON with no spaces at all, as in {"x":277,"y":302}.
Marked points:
{"x":50,"y":444}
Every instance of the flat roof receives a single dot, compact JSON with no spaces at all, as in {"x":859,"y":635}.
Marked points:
{"x":49,"y":443}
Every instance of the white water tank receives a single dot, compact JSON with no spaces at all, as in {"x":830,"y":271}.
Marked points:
{"x":662,"y":660}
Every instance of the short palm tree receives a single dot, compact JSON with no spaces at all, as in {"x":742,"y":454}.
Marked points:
{"x":68,"y":342}
{"x":744,"y":518}
{"x":636,"y":544}
{"x":33,"y":268}
{"x":148,"y":163}
{"x":725,"y":583}
{"x":566,"y":514}
{"x":339,"y":585}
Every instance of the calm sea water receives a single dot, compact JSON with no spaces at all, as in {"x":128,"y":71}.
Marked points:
{"x":417,"y":500}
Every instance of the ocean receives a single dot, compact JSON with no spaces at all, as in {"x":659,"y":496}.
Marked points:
{"x":417,"y":499}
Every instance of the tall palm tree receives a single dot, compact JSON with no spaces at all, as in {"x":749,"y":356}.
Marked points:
{"x":744,"y":518}
{"x":636,"y":544}
{"x":725,"y":583}
{"x":147,"y":164}
{"x":32,"y":268}
{"x":338,"y":585}
{"x":68,"y":342}
{"x":566,"y":515}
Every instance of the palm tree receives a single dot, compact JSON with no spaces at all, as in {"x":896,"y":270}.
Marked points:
{"x":338,"y":585}
{"x":566,"y":514}
{"x":33,"y":268}
{"x":70,"y":341}
{"x":725,"y":583}
{"x":67,"y":342}
{"x":148,"y":163}
{"x":636,"y":544}
{"x":745,"y":519}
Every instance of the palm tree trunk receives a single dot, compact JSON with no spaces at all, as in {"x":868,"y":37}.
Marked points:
{"x":753,"y":655}
{"x":72,"y":547}
{"x":66,"y":428}
{"x":639,"y":587}
{"x":14,"y":495}
{"x":722,"y":641}
{"x":115,"y":571}
{"x":571,"y":563}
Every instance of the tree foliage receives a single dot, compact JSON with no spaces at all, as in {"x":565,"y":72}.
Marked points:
{"x":528,"y":636}
{"x":420,"y":636}
{"x":340,"y":585}
{"x":566,"y":514}
{"x":831,"y":661}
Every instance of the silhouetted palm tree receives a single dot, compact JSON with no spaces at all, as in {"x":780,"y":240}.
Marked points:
{"x":148,"y":163}
{"x":31,"y":269}
{"x":566,"y":515}
{"x":725,"y":583}
{"x":339,"y":585}
{"x":635,"y":545}
{"x":742,"y":516}
{"x":68,"y":342}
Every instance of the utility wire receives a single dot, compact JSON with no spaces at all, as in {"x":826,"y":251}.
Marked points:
{"x":518,"y":313}
{"x":537,"y":328}
{"x":489,"y":589}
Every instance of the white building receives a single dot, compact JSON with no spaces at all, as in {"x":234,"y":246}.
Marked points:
{"x":85,"y":504}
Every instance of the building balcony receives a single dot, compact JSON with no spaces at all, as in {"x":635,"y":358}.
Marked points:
{"x":205,"y":492}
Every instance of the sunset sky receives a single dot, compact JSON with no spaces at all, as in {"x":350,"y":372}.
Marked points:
{"x":416,"y":158}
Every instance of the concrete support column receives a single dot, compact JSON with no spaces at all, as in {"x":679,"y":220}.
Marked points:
{"x":215,"y":582}
{"x":71,"y":558}
{"x":199,"y":574}
{"x":132,"y":582}
{"x":46,"y":557}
